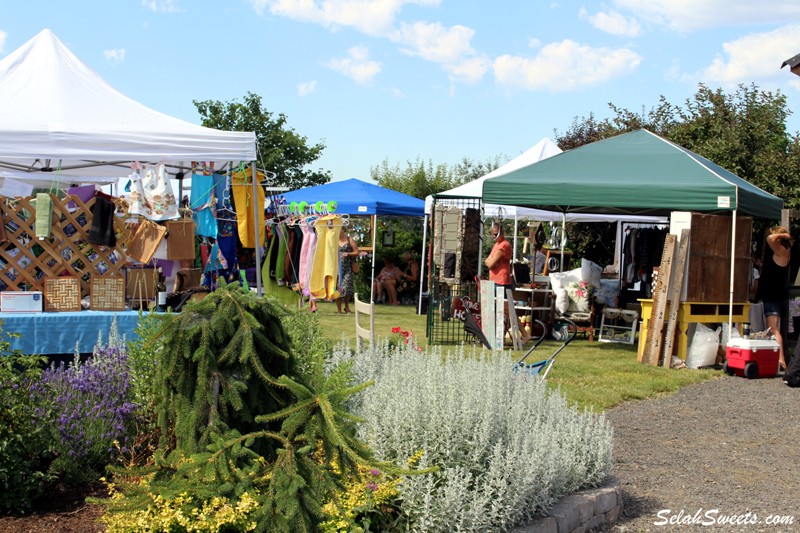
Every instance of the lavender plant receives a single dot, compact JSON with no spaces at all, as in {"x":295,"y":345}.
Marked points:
{"x":87,"y":405}
{"x":507,"y":448}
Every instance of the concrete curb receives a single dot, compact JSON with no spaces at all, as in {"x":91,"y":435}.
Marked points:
{"x":581,"y":512}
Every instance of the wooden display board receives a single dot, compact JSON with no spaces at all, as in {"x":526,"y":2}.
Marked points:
{"x":108,"y":293}
{"x":62,"y":294}
{"x":28,"y":261}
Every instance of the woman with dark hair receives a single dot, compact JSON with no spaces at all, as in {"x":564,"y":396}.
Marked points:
{"x":773,"y":283}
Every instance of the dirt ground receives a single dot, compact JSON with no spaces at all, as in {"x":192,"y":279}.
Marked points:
{"x":62,"y":513}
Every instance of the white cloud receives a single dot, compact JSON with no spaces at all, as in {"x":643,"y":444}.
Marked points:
{"x":565,"y":66}
{"x":434,"y":42}
{"x":357,"y":66}
{"x":309,"y":87}
{"x":755,"y":56}
{"x":397,"y":93}
{"x":690,"y":15}
{"x":469,"y":70}
{"x":533,"y":42}
{"x":3,"y":36}
{"x":115,"y":55}
{"x":163,"y":6}
{"x":373,"y":17}
{"x":612,"y":22}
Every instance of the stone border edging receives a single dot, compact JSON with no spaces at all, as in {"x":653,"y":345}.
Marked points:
{"x":583,"y":511}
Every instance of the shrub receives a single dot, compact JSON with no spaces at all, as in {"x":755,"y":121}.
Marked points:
{"x":239,"y":414}
{"x":87,"y":405}
{"x":507,"y":449}
{"x":24,"y":442}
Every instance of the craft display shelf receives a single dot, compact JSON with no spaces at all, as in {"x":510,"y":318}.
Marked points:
{"x":25,"y":260}
{"x":692,"y":313}
{"x":539,"y":302}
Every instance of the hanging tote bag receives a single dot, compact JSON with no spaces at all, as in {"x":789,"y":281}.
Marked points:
{"x":145,"y":241}
{"x":138,"y":203}
{"x":180,"y":239}
{"x":158,"y":194}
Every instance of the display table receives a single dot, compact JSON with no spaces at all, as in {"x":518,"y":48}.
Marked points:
{"x":58,"y":333}
{"x":691,"y":313}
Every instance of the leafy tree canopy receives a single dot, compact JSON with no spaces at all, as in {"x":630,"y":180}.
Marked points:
{"x":280,"y":149}
{"x":420,"y":179}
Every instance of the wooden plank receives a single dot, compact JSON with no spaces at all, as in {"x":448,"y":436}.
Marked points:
{"x":676,"y":288}
{"x":656,"y":329}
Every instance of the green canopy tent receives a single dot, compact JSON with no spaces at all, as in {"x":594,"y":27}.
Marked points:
{"x":636,"y":173}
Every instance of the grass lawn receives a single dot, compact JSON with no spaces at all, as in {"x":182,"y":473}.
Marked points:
{"x":598,"y":375}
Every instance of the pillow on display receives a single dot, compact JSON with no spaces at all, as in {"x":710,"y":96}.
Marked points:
{"x":561,"y":280}
{"x":591,"y":272}
{"x":579,"y":293}
{"x":606,"y":293}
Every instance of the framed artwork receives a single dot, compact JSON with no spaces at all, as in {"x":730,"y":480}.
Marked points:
{"x":62,"y":293}
{"x":387,"y":238}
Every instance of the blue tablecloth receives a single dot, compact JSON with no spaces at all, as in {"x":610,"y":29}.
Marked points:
{"x":58,"y":333}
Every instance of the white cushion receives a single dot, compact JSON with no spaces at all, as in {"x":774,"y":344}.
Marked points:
{"x":591,"y":272}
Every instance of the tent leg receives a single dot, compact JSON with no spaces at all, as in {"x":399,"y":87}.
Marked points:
{"x":733,"y":269}
{"x":256,"y":230}
{"x":422,"y":261}
{"x":372,"y":277}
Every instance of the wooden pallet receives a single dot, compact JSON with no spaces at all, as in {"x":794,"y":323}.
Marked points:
{"x":26,"y":260}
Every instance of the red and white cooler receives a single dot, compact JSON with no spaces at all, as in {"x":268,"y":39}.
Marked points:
{"x":752,"y":358}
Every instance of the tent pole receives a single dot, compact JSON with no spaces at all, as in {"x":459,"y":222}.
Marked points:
{"x":563,"y":239}
{"x":516,"y":232}
{"x":256,"y":229}
{"x":422,"y":261}
{"x":733,"y":269}
{"x":372,"y":278}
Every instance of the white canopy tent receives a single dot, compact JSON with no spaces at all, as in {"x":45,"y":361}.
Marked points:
{"x":60,"y":121}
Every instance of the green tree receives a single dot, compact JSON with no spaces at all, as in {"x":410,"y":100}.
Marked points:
{"x":418,"y":179}
{"x":280,"y":149}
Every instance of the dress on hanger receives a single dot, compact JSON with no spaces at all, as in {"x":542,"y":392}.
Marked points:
{"x":243,"y":199}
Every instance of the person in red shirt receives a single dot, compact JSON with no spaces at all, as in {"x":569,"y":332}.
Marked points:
{"x":499,"y":264}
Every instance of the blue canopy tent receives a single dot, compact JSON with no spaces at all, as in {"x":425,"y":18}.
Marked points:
{"x":356,"y":197}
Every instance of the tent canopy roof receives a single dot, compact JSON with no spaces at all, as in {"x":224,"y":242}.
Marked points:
{"x":356,"y":197}
{"x":55,"y":109}
{"x":636,"y":173}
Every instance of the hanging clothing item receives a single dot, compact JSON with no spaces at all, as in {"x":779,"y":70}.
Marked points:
{"x":280,"y":263}
{"x":266,"y":274}
{"x":325,"y":268}
{"x":102,"y":229}
{"x":226,"y":239}
{"x":309,"y":249}
{"x":44,"y":215}
{"x":243,"y":199}
{"x":201,"y":203}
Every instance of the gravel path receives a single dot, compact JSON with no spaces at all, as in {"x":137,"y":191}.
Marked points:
{"x":730,"y":444}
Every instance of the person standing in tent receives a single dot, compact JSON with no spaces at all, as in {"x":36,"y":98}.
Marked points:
{"x":773,"y":283}
{"x":499,"y":265}
{"x":348,"y":257}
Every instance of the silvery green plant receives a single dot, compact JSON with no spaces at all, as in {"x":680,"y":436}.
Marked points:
{"x":507,"y":448}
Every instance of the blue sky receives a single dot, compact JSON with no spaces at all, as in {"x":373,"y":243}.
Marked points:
{"x":439,"y":80}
